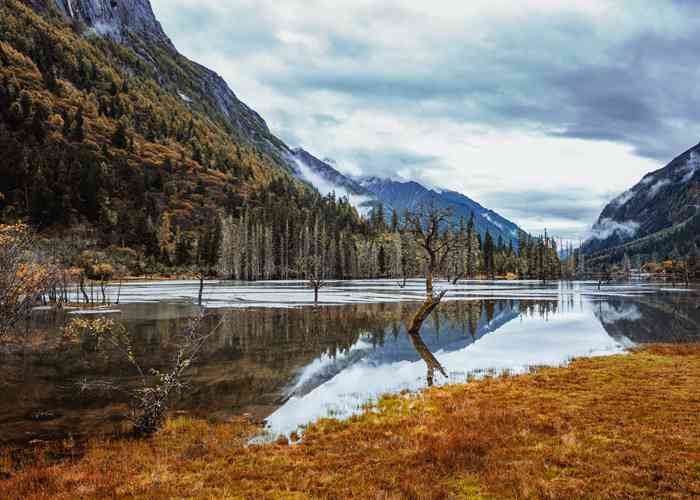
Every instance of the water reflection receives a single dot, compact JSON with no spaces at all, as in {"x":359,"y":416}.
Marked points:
{"x":465,"y":338}
{"x":664,"y":317}
{"x":295,"y":365}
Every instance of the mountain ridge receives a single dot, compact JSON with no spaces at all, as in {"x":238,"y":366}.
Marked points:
{"x":412,"y":195}
{"x":649,"y":217}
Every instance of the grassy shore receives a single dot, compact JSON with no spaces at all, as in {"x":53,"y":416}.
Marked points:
{"x":614,"y":427}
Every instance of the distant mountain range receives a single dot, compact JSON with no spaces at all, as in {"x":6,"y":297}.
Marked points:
{"x":658,"y":217}
{"x":410,"y":195}
{"x":399,"y":194}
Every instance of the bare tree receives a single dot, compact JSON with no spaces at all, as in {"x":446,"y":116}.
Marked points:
{"x":311,"y":267}
{"x":428,"y":228}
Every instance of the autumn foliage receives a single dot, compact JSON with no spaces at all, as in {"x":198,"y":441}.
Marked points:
{"x":625,"y":426}
{"x":24,"y":275}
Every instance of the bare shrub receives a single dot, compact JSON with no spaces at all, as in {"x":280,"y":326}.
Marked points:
{"x":150,"y":401}
{"x":25,"y":276}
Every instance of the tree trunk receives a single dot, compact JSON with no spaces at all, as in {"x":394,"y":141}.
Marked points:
{"x":315,"y":294}
{"x":119,"y":291}
{"x":414,"y":333}
{"x":82,"y":289}
{"x":201,"y":289}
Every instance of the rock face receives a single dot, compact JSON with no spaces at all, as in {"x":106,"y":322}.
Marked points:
{"x":116,"y":19}
{"x":662,"y":200}
{"x":132,"y":23}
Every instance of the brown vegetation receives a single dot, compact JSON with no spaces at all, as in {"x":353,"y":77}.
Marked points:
{"x":617,"y":427}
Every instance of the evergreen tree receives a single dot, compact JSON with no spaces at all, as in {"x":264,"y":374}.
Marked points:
{"x":489,"y":266}
{"x":39,"y":122}
{"x":78,"y":133}
{"x":25,"y":101}
{"x":120,"y":139}
{"x":166,"y":239}
{"x":394,"y":220}
{"x":382,"y":261}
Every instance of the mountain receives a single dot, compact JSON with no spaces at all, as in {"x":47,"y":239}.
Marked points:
{"x":367,"y":193}
{"x":111,"y":139}
{"x":659,"y":215}
{"x":327,"y":179}
{"x":132,"y":23}
{"x":402,"y":195}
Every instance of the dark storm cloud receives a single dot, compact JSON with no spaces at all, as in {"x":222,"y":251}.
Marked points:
{"x":557,"y":74}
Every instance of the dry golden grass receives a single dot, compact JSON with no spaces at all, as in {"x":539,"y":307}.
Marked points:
{"x":616,"y":427}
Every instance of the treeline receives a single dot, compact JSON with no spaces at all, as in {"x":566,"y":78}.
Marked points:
{"x":269,"y":244}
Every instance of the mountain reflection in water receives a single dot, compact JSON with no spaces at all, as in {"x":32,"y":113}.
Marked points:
{"x":293,"y":366}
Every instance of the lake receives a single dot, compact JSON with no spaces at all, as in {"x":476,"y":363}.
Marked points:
{"x":277,"y":357}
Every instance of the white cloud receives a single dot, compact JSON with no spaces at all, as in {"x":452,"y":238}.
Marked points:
{"x":691,"y":166}
{"x":606,"y":228}
{"x":325,"y":187}
{"x":654,"y":190}
{"x":505,"y":95}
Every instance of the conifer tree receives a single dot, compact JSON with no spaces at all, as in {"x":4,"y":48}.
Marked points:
{"x":489,"y":266}
{"x":78,"y":133}
{"x":120,"y":139}
{"x":394,"y":220}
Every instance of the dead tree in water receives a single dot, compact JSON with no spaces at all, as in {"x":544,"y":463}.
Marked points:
{"x":425,"y":310}
{"x":426,"y":227}
{"x":311,"y":268}
{"x":152,"y":397}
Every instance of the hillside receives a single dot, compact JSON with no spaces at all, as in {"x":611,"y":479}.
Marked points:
{"x":108,"y":134}
{"x":655,"y":219}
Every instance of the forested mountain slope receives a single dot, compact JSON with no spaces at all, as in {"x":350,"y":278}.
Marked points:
{"x":656,"y":219}
{"x":105,"y":126}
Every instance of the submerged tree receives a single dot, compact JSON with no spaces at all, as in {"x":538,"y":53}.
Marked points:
{"x":312,"y":268}
{"x":428,"y":226}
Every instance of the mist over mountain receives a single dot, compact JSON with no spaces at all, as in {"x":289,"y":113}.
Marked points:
{"x":657,"y":217}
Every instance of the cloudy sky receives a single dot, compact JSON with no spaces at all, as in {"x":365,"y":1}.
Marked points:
{"x":540,"y":109}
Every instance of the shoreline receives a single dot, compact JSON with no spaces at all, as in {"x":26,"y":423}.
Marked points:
{"x":623,"y":425}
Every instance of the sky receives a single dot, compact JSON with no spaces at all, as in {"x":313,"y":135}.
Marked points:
{"x":543,"y":110}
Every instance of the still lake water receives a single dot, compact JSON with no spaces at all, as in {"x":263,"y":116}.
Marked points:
{"x":276,"y":357}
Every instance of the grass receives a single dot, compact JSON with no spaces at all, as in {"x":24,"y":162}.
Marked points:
{"x":616,"y":427}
